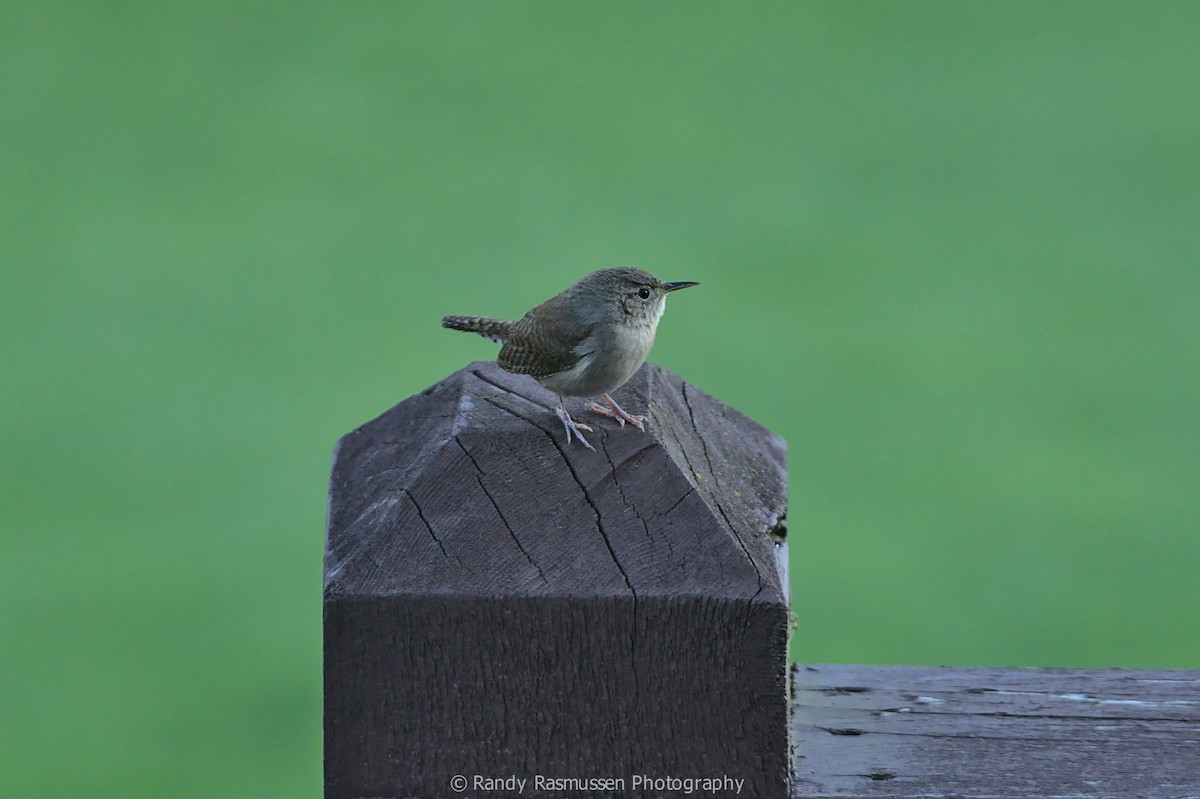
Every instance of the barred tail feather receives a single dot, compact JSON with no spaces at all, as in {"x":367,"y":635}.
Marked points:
{"x":495,"y":329}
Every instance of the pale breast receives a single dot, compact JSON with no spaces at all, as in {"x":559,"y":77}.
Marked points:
{"x":608,"y":360}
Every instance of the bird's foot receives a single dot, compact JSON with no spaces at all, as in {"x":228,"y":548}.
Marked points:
{"x":616,"y":412}
{"x":573,"y":428}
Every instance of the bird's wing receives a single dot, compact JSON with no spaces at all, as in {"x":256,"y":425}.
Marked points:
{"x":539,"y":348}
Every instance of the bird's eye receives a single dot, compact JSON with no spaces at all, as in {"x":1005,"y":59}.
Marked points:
{"x":644,"y":293}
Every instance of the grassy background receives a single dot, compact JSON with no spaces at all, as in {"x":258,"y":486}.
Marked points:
{"x":949,"y":251}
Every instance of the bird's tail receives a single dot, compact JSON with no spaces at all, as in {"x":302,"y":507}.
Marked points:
{"x":495,"y":329}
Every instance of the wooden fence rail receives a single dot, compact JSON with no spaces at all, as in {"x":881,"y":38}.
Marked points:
{"x":914,"y":732}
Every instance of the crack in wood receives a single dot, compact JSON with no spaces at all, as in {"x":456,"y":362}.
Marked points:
{"x":633,"y":634}
{"x":429,"y":527}
{"x":510,"y":390}
{"x":717,"y":480}
{"x":679,"y":501}
{"x":479,"y":479}
{"x":587,"y":498}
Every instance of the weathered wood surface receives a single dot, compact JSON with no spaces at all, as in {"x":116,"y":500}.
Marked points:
{"x":498,"y":602}
{"x":909,"y":732}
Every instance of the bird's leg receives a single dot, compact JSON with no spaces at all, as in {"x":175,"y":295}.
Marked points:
{"x":615,"y":411}
{"x":572,"y":426}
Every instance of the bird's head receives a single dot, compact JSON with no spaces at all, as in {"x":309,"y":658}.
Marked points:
{"x":634,"y":293}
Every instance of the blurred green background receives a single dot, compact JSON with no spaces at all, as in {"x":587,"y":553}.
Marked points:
{"x":949,"y":251}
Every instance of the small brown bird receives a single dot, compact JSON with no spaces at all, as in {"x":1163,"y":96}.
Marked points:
{"x":585,"y":341}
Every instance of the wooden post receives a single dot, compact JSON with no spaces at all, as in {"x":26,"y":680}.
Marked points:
{"x":500,"y":605}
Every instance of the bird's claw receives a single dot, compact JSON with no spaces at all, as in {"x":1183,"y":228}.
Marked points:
{"x":615,"y":411}
{"x":572,"y":427}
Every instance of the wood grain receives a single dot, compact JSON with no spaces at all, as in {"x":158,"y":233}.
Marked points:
{"x":498,"y":602}
{"x":909,"y":732}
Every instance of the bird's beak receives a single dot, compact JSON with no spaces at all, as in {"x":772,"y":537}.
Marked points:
{"x":683,"y":284}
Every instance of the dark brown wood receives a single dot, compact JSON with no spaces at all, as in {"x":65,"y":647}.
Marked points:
{"x":500,"y":603}
{"x":909,"y":732}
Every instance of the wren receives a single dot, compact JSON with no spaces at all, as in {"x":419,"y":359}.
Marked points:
{"x":585,"y":341}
